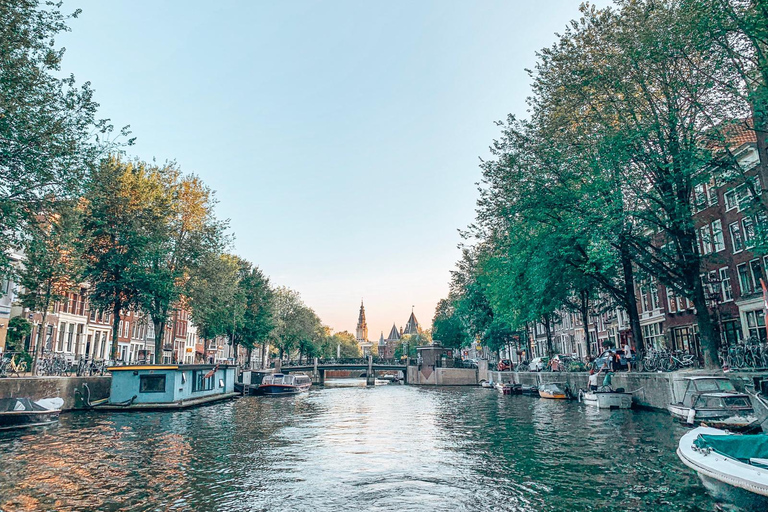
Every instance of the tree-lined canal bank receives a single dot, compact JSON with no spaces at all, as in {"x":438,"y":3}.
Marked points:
{"x":375,"y":448}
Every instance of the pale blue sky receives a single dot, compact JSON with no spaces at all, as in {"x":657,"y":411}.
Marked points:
{"x":342,"y":137}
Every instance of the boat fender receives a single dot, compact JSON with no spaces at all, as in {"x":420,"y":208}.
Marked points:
{"x":691,"y":416}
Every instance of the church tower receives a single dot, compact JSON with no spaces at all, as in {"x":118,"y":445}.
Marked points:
{"x":362,"y":327}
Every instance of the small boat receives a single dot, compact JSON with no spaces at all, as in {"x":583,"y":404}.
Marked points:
{"x":555,"y":390}
{"x":607,"y":399}
{"x":509,"y":388}
{"x":23,"y":412}
{"x":283,"y":384}
{"x":715,"y":402}
{"x":486,"y":384}
{"x":529,"y":390}
{"x":733,"y":468}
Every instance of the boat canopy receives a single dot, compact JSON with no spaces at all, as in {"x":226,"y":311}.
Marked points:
{"x":742,"y":447}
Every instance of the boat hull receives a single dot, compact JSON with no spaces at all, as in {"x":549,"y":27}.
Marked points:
{"x":23,"y":419}
{"x":279,"y":390}
{"x":551,"y":395}
{"x":715,"y":419}
{"x":726,"y":479}
{"x":608,"y":400}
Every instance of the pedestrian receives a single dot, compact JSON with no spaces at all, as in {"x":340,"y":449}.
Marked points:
{"x":628,"y":355}
{"x":616,"y":361}
{"x":593,"y":376}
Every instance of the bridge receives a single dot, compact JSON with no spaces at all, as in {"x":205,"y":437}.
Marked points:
{"x":319,"y":366}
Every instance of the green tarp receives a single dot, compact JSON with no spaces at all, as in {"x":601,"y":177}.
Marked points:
{"x":742,"y":448}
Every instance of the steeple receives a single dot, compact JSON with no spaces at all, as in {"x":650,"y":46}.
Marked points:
{"x":412,"y":326}
{"x":362,"y":327}
{"x":393,"y":334}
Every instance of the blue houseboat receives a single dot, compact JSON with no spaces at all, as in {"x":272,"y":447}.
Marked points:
{"x":169,"y":386}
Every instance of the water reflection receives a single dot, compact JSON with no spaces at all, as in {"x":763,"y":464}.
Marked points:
{"x":382,"y":448}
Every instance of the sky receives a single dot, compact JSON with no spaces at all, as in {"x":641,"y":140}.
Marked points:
{"x":342,"y":138}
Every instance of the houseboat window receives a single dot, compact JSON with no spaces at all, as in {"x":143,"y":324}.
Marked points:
{"x":152,"y":384}
{"x":709,"y":402}
{"x":183,"y":377}
{"x":221,"y":383}
{"x":200,"y":383}
{"x":714,"y":385}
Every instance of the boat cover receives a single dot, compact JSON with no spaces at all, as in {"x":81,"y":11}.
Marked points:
{"x":743,"y":448}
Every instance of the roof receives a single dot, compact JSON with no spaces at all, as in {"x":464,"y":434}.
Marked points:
{"x":412,"y":326}
{"x":707,"y":377}
{"x":393,"y":334}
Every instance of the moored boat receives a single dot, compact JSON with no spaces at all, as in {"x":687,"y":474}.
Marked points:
{"x":283,"y":384}
{"x":24,"y":412}
{"x":554,"y":390}
{"x":733,"y":468}
{"x":607,"y":399}
{"x":715,"y":402}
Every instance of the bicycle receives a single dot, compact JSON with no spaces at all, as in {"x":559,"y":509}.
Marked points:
{"x":9,"y":364}
{"x":678,"y":360}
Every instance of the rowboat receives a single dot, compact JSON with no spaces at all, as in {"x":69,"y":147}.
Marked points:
{"x":23,"y":412}
{"x":714,"y":401}
{"x":554,"y":390}
{"x":733,"y":468}
{"x":606,"y":399}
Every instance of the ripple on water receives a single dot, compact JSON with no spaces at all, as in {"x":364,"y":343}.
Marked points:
{"x":346,"y":448}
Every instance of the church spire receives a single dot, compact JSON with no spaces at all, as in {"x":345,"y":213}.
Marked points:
{"x":362,"y":326}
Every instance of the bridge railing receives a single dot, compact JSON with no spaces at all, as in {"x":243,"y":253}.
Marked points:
{"x":346,"y":361}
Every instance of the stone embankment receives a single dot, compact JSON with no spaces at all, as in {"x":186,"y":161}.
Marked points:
{"x":71,"y":389}
{"x":654,"y":390}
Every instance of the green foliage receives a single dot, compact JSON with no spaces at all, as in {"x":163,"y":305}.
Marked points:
{"x":49,"y":131}
{"x":18,"y":329}
{"x":447,"y":327}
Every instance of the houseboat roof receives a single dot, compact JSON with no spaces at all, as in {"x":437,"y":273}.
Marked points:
{"x":166,"y":367}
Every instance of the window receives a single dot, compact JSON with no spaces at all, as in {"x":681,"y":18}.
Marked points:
{"x":70,"y":337}
{"x":654,"y":295}
{"x":62,"y":333}
{"x":152,"y":384}
{"x":671,"y":301}
{"x":730,"y":200}
{"x":757,"y":274}
{"x":756,"y":324}
{"x":745,"y":281}
{"x":712,"y":192}
{"x":654,"y":335}
{"x":736,"y":240}
{"x":725,"y":285}
{"x":706,"y":240}
{"x":644,"y":299}
{"x":748,"y":232}
{"x":732,"y":331}
{"x":717,"y":236}
{"x":200,"y":383}
{"x":699,"y":197}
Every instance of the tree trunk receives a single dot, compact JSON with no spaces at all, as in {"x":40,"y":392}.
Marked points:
{"x":707,"y":335}
{"x":39,"y":343}
{"x":585,"y":320}
{"x":760,"y":119}
{"x":264,"y":355}
{"x":159,"y":335}
{"x":116,"y":308}
{"x":248,"y":354}
{"x":630,"y":303}
{"x":550,"y":351}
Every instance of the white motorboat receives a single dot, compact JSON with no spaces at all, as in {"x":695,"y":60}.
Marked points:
{"x":486,"y":384}
{"x":715,"y":402}
{"x":607,"y":399}
{"x":733,"y":468}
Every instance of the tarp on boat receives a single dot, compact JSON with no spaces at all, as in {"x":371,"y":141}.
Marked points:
{"x":742,"y":448}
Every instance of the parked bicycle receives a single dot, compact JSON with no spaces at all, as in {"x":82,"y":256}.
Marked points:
{"x":9,"y":365}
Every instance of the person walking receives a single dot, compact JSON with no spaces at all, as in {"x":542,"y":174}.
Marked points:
{"x":628,"y":355}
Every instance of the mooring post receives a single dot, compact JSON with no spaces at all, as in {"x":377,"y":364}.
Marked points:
{"x":370,"y":379}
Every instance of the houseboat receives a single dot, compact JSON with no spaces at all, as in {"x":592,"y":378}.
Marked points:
{"x":147,"y":387}
{"x":714,"y":401}
{"x":606,"y":399}
{"x":283,"y":384}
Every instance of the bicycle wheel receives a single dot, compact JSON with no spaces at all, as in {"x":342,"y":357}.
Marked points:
{"x":650,"y":364}
{"x":667,"y":365}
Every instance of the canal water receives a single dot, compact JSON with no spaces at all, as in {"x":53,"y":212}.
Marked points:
{"x":354,"y":448}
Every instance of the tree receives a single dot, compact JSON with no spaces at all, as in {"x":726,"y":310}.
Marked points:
{"x":185,"y":233}
{"x":258,"y":314}
{"x":49,"y":134}
{"x":52,"y":264}
{"x":343,"y":344}
{"x":447,"y":327}
{"x":297,"y":327}
{"x":18,"y":329}
{"x":124,"y":202}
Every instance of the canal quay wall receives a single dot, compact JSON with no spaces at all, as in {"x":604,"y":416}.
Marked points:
{"x":70,"y":389}
{"x":653,"y":390}
{"x":442,"y":376}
